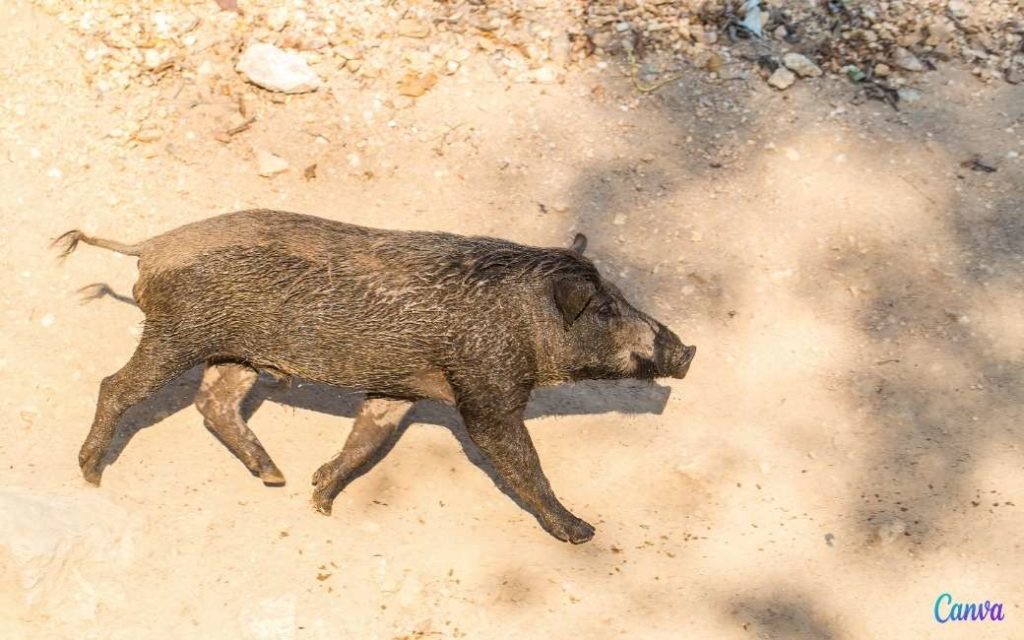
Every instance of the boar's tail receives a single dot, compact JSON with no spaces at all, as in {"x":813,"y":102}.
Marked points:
{"x":69,"y":242}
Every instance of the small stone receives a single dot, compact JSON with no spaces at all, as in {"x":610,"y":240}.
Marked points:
{"x":547,"y":74}
{"x":270,"y":165}
{"x":906,"y":60}
{"x":939,"y":32}
{"x":802,"y":65}
{"x":149,"y":133}
{"x":348,"y":52}
{"x":620,"y":219}
{"x":782,"y":79}
{"x":275,"y":70}
{"x":278,"y":19}
{"x":602,"y":40}
{"x":890,"y":532}
{"x":451,"y":67}
{"x":47,"y":320}
{"x":882,"y":70}
{"x":560,"y":49}
{"x":153,"y":59}
{"x":909,"y":94}
{"x":415,"y":85}
{"x":1015,"y":75}
{"x":706,"y":36}
{"x":410,"y":28}
{"x":958,"y":8}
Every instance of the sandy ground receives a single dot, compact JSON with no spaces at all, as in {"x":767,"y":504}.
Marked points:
{"x":847,"y":447}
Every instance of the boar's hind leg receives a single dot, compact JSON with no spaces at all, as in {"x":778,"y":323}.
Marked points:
{"x":220,"y":397}
{"x":153,"y":365}
{"x":499,"y":432}
{"x":377,"y":420}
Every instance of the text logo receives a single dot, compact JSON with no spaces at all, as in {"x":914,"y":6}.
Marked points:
{"x":949,"y":610}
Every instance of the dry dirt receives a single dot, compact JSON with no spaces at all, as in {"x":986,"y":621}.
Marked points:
{"x":848,"y":445}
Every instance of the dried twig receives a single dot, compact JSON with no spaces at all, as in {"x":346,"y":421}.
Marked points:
{"x":646,"y":88}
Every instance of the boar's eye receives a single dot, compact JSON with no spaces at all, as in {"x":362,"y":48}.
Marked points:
{"x":606,"y":311}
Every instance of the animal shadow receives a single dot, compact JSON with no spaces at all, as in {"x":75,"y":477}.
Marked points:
{"x":584,"y":398}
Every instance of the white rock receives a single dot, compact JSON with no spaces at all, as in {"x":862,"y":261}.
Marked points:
{"x":270,"y":165}
{"x":275,"y":70}
{"x":958,"y":8}
{"x":802,"y":65}
{"x":782,"y":79}
{"x":62,"y":555}
{"x":560,"y":49}
{"x":544,"y":75}
{"x":906,"y":60}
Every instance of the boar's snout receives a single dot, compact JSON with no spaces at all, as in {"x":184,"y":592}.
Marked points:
{"x":672,"y":357}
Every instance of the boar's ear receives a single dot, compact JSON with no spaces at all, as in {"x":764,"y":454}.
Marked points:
{"x":579,"y":244}
{"x":571,"y":297}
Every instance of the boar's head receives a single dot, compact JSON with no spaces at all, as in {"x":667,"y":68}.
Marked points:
{"x":606,"y":337}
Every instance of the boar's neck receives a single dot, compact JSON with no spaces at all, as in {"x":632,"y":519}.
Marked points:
{"x":550,"y":349}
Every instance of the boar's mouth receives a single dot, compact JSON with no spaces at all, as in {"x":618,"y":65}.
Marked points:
{"x":645,"y":368}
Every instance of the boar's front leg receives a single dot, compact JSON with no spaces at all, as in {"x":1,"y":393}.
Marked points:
{"x":378,"y":418}
{"x":219,"y":399}
{"x":494,"y":420}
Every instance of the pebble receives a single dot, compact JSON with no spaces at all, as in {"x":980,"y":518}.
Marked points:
{"x":890,"y":532}
{"x":958,"y":8}
{"x":149,"y":134}
{"x":348,"y":52}
{"x":48,"y":320}
{"x":275,"y":70}
{"x":410,"y":28}
{"x":882,"y":70}
{"x":560,"y":49}
{"x":909,"y":94}
{"x":270,"y":165}
{"x":415,"y":85}
{"x":782,"y":79}
{"x":544,"y":75}
{"x":802,"y":65}
{"x":906,"y":60}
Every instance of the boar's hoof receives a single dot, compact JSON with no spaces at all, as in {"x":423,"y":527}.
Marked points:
{"x":323,"y":492}
{"x":570,"y":529}
{"x":272,"y":476}
{"x":90,"y":461}
{"x":322,"y":503}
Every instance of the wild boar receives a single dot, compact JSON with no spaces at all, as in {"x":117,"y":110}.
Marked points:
{"x":401,"y":315}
